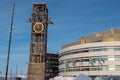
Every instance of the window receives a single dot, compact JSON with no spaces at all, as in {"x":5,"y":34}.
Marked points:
{"x":117,"y":67}
{"x":116,"y":48}
{"x":117,"y":58}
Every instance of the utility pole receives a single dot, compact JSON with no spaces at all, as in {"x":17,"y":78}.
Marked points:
{"x":10,"y":37}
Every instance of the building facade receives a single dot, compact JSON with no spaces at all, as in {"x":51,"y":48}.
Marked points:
{"x":51,"y":65}
{"x":94,"y":55}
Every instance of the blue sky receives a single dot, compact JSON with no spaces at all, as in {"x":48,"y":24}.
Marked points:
{"x":72,"y":20}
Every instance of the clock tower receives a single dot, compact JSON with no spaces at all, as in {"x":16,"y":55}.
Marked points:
{"x":38,"y":43}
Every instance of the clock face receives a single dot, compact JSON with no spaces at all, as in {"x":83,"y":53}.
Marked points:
{"x":38,"y":27}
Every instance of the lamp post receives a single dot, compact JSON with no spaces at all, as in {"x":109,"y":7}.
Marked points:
{"x":10,"y":37}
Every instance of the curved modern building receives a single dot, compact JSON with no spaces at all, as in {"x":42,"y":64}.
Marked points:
{"x":94,"y":55}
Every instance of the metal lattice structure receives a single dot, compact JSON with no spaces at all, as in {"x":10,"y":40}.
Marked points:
{"x":38,"y":44}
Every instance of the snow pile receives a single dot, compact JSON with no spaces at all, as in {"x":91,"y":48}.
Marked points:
{"x":62,"y":78}
{"x":21,"y":76}
{"x":80,"y":77}
{"x":98,"y":78}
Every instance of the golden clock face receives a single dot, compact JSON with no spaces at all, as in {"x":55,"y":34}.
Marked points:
{"x":38,"y":27}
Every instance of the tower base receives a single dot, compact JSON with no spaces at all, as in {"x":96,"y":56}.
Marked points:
{"x":36,"y":71}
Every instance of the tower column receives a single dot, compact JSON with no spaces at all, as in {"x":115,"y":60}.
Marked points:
{"x":38,"y":43}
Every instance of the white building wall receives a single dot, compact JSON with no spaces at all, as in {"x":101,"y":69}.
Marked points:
{"x":110,"y":63}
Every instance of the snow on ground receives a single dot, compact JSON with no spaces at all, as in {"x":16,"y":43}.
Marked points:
{"x":80,"y":77}
{"x":62,"y":78}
